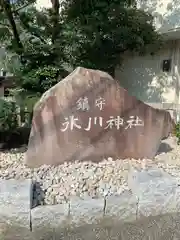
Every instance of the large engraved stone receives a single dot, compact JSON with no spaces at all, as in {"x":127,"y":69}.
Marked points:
{"x":89,"y":116}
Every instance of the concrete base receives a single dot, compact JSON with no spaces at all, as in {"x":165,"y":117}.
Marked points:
{"x":154,"y":192}
{"x":15,"y":202}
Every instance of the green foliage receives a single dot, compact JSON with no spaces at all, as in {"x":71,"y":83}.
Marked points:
{"x":50,"y":39}
{"x":33,"y":84}
{"x":8,"y":115}
{"x":177,"y":132}
{"x":106,"y":29}
{"x":39,"y":61}
{"x":41,"y":79}
{"x":24,"y":98}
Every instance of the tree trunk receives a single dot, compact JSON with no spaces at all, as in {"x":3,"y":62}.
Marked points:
{"x":7,"y":9}
{"x":55,"y":18}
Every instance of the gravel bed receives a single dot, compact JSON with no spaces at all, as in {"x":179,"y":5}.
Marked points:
{"x":55,"y":185}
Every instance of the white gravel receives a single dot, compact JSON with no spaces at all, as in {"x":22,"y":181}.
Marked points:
{"x":57,"y":184}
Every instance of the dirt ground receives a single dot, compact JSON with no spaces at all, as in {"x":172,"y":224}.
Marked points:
{"x":166,"y":227}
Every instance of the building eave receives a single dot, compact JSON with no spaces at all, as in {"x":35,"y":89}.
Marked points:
{"x":171,"y":34}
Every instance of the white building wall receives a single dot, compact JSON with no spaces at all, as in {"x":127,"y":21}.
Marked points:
{"x":143,"y":76}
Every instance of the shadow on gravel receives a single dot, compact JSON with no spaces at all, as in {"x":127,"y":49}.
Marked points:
{"x":20,"y":149}
{"x":16,"y":139}
{"x":38,"y":195}
{"x":164,"y":148}
{"x":155,"y":228}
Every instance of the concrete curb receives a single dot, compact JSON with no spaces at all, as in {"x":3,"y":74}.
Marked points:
{"x":16,"y":204}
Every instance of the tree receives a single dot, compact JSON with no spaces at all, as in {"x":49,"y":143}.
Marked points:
{"x":92,"y":34}
{"x":6,"y":6}
{"x":33,"y":53}
{"x":89,"y":33}
{"x":100,"y":31}
{"x":32,"y":35}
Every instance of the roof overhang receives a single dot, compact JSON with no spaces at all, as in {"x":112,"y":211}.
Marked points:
{"x":171,"y":34}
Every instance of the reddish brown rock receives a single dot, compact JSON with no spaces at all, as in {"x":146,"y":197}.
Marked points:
{"x":49,"y":143}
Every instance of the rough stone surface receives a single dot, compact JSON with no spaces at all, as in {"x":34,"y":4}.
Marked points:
{"x":123,"y":207}
{"x":159,"y":227}
{"x":73,"y":214}
{"x":15,"y":201}
{"x":164,"y":227}
{"x":164,"y":169}
{"x":78,"y":212}
{"x":50,"y":144}
{"x":54,"y":185}
{"x":157,"y":192}
{"x":86,"y":211}
{"x":51,"y":216}
{"x":9,"y":231}
{"x":156,"y":228}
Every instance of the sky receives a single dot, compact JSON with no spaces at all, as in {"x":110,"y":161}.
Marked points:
{"x":39,"y":4}
{"x":43,"y":3}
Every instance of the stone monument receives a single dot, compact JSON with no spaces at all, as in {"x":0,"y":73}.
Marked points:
{"x":89,"y":116}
